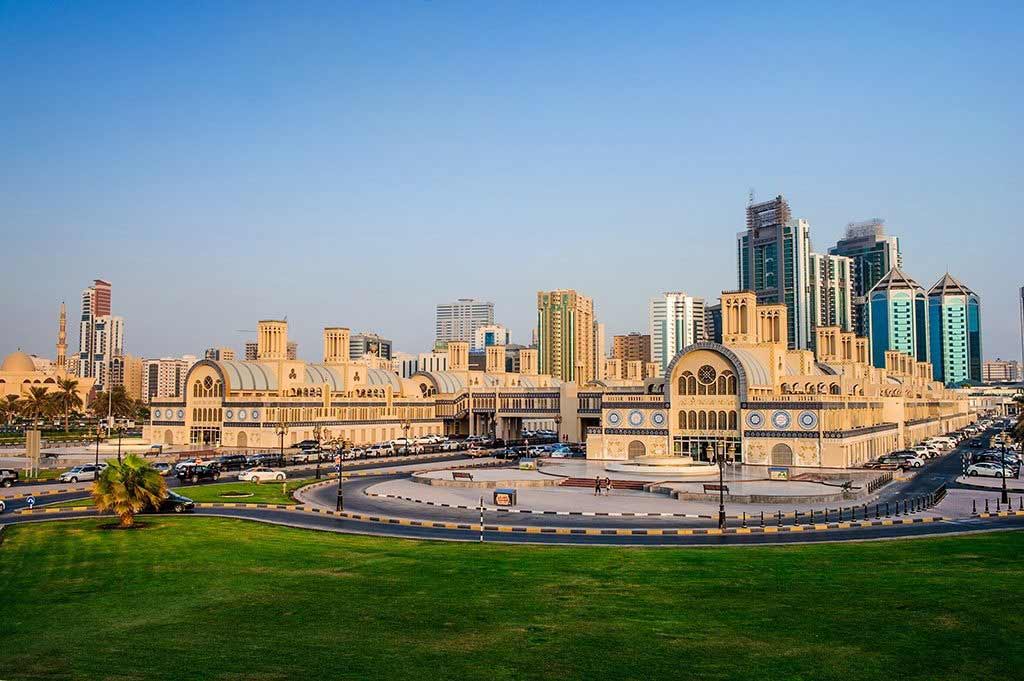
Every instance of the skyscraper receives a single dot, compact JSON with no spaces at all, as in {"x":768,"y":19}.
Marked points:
{"x":897,"y":318}
{"x":873,"y":254}
{"x":954,"y":329}
{"x":632,"y":346}
{"x":361,"y":344}
{"x":459,"y":321}
{"x":830,"y":291}
{"x":772,"y":259}
{"x":566,"y":335}
{"x":107,"y":344}
{"x":95,"y":304}
{"x":675,"y":320}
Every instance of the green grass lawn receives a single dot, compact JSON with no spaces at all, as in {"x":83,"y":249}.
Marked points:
{"x":203,"y":598}
{"x":264,"y":493}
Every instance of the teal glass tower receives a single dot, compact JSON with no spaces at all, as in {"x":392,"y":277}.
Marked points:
{"x":897,"y":318}
{"x":954,"y":328}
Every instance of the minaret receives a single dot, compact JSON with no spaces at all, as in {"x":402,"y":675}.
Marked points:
{"x":62,"y":339}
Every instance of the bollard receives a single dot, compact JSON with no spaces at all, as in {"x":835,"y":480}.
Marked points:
{"x":744,"y":519}
{"x":974,"y":507}
{"x":997,"y":506}
{"x":762,"y":518}
{"x":1020,"y":506}
{"x":986,"y":506}
{"x":796,"y":517}
{"x":887,"y":509}
{"x":780,"y":517}
{"x":877,"y":515}
{"x":826,"y":515}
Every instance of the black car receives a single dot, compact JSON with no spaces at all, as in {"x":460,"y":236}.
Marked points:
{"x":307,"y":444}
{"x":194,"y":474}
{"x":230,"y":462}
{"x":175,"y":503}
{"x":8,"y":477}
{"x":976,"y":443}
{"x":271,"y":460}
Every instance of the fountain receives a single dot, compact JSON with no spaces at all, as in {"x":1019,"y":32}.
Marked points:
{"x":660,"y":466}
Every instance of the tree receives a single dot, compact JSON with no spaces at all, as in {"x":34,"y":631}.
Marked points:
{"x":127,"y":487}
{"x":114,"y":403}
{"x":1018,"y":428}
{"x":37,"y":404}
{"x":67,"y":398}
{"x":10,"y":408}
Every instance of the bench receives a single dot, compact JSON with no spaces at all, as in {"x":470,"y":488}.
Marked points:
{"x":716,"y":488}
{"x":456,"y":475}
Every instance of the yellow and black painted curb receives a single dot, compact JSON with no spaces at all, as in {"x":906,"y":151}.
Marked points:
{"x":1001,"y":514}
{"x":41,"y":493}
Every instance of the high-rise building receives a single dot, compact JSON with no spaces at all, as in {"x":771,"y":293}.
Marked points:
{"x":830,"y":299}
{"x":165,"y":377}
{"x":490,"y":334}
{"x":1001,"y":371}
{"x":897,"y":318}
{"x":251,"y":351}
{"x":362,"y":344}
{"x":95,"y":304}
{"x":633,"y":346}
{"x":459,"y":321}
{"x":1021,"y":301}
{"x":108,"y":343}
{"x":600,"y":349}
{"x":675,"y":320}
{"x":566,"y":335}
{"x":220,"y":354}
{"x":872,"y":254}
{"x":713,"y":323}
{"x":773,"y":260}
{"x":954,"y":332}
{"x":126,"y":371}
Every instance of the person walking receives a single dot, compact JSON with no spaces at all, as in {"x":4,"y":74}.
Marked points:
{"x":607,"y":486}
{"x":597,"y":486}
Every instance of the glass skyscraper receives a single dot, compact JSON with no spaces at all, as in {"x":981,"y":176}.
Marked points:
{"x":897,"y":318}
{"x":872,"y":254}
{"x":954,"y":327}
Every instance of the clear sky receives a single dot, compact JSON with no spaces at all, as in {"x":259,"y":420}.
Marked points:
{"x":357,"y":163}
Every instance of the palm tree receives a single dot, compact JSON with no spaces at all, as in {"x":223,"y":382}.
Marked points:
{"x":1018,"y":428}
{"x":127,"y":487}
{"x":114,"y":403}
{"x":37,"y":404}
{"x":10,"y":408}
{"x":67,"y":398}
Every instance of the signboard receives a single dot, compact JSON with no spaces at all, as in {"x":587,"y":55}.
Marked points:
{"x":778,"y":473}
{"x":504,"y":497}
{"x":527,"y":464}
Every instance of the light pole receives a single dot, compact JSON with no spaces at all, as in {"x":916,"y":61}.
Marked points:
{"x":98,"y":431}
{"x":120,"y":430}
{"x":317,"y":434}
{"x":340,"y":506}
{"x":1005,"y":495}
{"x":406,"y":425}
{"x":281,"y":430}
{"x":720,"y":455}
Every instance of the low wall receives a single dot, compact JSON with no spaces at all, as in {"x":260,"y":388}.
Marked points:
{"x":484,"y":484}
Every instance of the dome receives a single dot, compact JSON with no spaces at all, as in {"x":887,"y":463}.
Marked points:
{"x":18,"y":362}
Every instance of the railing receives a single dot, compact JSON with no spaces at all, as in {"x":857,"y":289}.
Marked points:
{"x":878,"y":482}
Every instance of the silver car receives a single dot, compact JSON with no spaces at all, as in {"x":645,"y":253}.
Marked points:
{"x":79,"y":473}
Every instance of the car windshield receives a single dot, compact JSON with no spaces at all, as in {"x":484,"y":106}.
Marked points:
{"x":76,"y":469}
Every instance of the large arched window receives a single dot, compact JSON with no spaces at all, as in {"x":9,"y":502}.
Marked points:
{"x":722,"y":420}
{"x":693,"y":420}
{"x":682,"y":420}
{"x":702,"y":420}
{"x":636,"y":449}
{"x":732,"y":420}
{"x":712,"y":421}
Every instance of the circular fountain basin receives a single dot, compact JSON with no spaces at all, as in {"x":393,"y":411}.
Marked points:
{"x":661,"y":466}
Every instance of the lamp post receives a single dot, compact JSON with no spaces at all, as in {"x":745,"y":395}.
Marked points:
{"x":720,"y":455}
{"x":317,"y":434}
{"x":1005,"y":496}
{"x":345,"y":445}
{"x":281,"y":430}
{"x":98,"y":431}
{"x":120,"y":430}
{"x":406,"y":425}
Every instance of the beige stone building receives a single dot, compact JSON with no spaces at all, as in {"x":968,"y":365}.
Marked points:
{"x":753,"y":399}
{"x":567,"y":336}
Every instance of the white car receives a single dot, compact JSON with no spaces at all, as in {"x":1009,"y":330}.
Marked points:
{"x":988,"y":470}
{"x":262,"y":474}
{"x":79,"y":473}
{"x":926,"y":451}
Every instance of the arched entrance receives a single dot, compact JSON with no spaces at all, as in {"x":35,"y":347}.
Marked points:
{"x":242,"y":440}
{"x":637,"y":449}
{"x":168,"y":437}
{"x":782,"y":455}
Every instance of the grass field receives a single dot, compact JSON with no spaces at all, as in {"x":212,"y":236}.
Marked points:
{"x":264,"y":493}
{"x":203,"y":598}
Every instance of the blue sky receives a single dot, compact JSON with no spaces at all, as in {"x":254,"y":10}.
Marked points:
{"x":356,"y":163}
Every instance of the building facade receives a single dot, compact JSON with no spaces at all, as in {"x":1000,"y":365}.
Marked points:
{"x":713,"y":323}
{"x":95,"y":304}
{"x":490,"y":334}
{"x":566,"y":338}
{"x":217,"y":354}
{"x":897,"y":318}
{"x":460,"y":320}
{"x":370,"y":344}
{"x":126,"y":371}
{"x":1001,"y":371}
{"x":633,"y":346}
{"x":165,"y":377}
{"x":872,"y":254}
{"x":772,"y":261}
{"x":675,"y":320}
{"x":754,"y":400}
{"x":954,"y":332}
{"x":250,"y":351}
{"x":831,"y":295}
{"x":107,"y":345}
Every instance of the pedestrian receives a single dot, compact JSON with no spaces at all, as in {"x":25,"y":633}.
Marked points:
{"x":607,"y":486}
{"x":597,"y":486}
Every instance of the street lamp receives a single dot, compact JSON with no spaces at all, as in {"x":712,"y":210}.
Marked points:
{"x":317,"y":434}
{"x":720,"y":456}
{"x":1005,"y":495}
{"x":406,"y":425}
{"x":99,"y":430}
{"x":281,"y":430}
{"x":345,"y":445}
{"x":120,"y":430}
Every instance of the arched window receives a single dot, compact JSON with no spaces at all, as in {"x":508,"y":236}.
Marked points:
{"x":712,"y":421}
{"x":731,"y":384}
{"x":782,"y":455}
{"x":702,"y":420}
{"x":732,"y":420}
{"x":835,"y":389}
{"x":723,"y":385}
{"x":693,"y":420}
{"x":682,"y":420}
{"x":637,"y":449}
{"x":722,"y":420}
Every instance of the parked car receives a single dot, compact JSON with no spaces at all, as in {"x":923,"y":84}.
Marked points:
{"x":163,"y":468}
{"x":261,"y":474}
{"x":231,"y":462}
{"x":926,"y":452}
{"x":988,"y":469}
{"x":80,"y":473}
{"x":902,"y":459}
{"x":175,"y":503}
{"x":8,"y":477}
{"x":308,"y":444}
{"x":197,"y":472}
